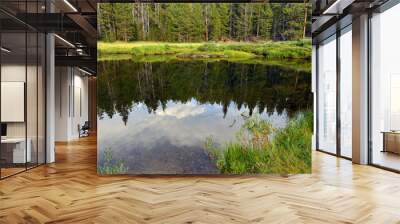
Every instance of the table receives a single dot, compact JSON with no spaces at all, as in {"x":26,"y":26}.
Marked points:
{"x":391,"y":141}
{"x":17,"y":149}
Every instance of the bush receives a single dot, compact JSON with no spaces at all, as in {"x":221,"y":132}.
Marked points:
{"x":208,"y":47}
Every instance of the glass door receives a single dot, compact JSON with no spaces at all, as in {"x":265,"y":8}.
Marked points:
{"x":22,"y":77}
{"x":385,"y":89}
{"x":327,"y":95}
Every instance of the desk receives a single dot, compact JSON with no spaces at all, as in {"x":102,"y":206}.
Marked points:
{"x":18,"y":150}
{"x":391,"y":141}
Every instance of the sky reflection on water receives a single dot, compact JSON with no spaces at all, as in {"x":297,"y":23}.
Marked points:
{"x":146,"y":136}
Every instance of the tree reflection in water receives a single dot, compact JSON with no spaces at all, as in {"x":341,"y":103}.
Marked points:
{"x":124,"y":84}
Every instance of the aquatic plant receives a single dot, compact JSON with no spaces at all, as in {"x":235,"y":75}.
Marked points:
{"x":261,"y":148}
{"x":255,"y":132}
{"x":110,"y":166}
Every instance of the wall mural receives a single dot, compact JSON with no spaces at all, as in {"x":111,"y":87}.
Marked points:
{"x":225,"y":92}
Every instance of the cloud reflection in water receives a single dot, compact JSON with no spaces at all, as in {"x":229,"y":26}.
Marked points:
{"x":172,"y":140}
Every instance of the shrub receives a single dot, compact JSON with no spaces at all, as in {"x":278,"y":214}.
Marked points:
{"x":208,"y":47}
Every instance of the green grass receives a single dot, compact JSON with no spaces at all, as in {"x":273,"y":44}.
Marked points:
{"x":241,"y":50}
{"x":141,"y":48}
{"x":264,"y":149}
{"x":110,"y":166}
{"x":294,"y":64}
{"x":115,"y":57}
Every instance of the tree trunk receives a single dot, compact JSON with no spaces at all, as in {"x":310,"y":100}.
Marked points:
{"x":114,"y":22}
{"x":147,"y":11}
{"x":305,"y":18}
{"x":230,"y":21}
{"x":142,"y":20}
{"x":206,"y":21}
{"x":99,"y":23}
{"x":245,"y":22}
{"x":258,"y":22}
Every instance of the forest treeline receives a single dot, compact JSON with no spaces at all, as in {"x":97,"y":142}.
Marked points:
{"x":194,"y":22}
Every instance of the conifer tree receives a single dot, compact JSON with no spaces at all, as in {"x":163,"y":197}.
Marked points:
{"x":194,"y":22}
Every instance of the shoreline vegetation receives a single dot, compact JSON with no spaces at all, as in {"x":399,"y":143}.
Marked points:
{"x":110,"y":165}
{"x":300,"y":50}
{"x":263,"y":149}
{"x":294,"y":64}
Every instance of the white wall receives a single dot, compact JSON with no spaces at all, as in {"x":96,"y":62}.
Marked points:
{"x":80,"y":94}
{"x":62,"y":82}
{"x":71,"y":87}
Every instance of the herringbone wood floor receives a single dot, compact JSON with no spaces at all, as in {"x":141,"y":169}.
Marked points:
{"x":70,"y":191}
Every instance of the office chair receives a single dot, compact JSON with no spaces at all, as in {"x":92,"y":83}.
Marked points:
{"x":84,"y":130}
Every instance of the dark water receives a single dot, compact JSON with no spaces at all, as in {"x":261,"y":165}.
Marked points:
{"x":157,"y":116}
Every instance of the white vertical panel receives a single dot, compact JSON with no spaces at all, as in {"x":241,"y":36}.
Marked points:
{"x":50,"y":110}
{"x":12,"y":101}
{"x":395,"y":102}
{"x":360,"y":90}
{"x":346,"y":74}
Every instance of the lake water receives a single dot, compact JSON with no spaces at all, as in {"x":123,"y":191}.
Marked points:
{"x":156,"y":117}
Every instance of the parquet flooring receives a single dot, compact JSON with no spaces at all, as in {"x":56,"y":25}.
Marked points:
{"x":69,"y":191}
{"x":10,"y":171}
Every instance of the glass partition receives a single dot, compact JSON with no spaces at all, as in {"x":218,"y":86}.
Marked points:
{"x":346,"y":92}
{"x":327,"y":95}
{"x":385,"y":89}
{"x":22,"y":78}
{"x":14,"y":153}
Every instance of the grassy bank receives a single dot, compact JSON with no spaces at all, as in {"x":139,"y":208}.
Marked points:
{"x":262,"y":148}
{"x":238,"y":50}
{"x":295,"y":64}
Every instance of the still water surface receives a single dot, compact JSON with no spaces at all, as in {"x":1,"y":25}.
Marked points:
{"x":156,"y":116}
